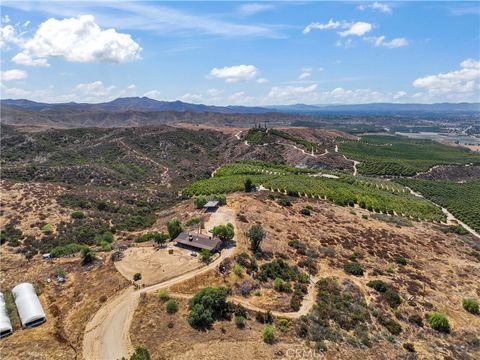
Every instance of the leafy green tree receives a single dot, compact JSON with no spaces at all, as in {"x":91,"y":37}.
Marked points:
{"x":256,"y":235}
{"x":174,"y":227}
{"x":205,"y":256}
{"x":88,"y":256}
{"x":224,"y":232}
{"x":207,"y":305}
{"x":160,"y":238}
{"x":200,"y":202}
{"x":248,"y":185}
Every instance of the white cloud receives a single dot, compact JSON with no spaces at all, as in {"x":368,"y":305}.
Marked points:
{"x":304,"y":75}
{"x":95,"y":89}
{"x":235,"y":74}
{"x":319,"y":26}
{"x":240,"y":98}
{"x":385,"y":8}
{"x":14,"y":74}
{"x":359,"y":28}
{"x":214,"y":92}
{"x":153,"y":94}
{"x":463,"y":81}
{"x":77,"y":39}
{"x":399,"y":95}
{"x":288,"y":94}
{"x":192,"y":98}
{"x":254,"y":8}
{"x":26,"y":23}
{"x":394,"y":43}
{"x":5,"y":19}
{"x":26,"y":59}
{"x":8,"y":35}
{"x":347,"y":43}
{"x":262,"y":81}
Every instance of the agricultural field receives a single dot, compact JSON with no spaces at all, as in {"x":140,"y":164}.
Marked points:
{"x":375,"y":196}
{"x":257,"y":136}
{"x":398,"y":156}
{"x":461,"y":199}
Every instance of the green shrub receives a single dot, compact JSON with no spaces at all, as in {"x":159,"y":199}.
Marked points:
{"x":240,"y":321}
{"x":391,"y":325}
{"x":378,"y":285}
{"x":281,"y":285}
{"x":207,"y":305}
{"x":222,"y":199}
{"x":88,"y":256}
{"x":193,"y":221}
{"x":392,"y":298}
{"x":224,"y":232}
{"x":174,"y":227}
{"x":268,"y":334}
{"x":305,"y":211}
{"x":353,"y":268}
{"x":471,"y":305}
{"x":401,"y":260}
{"x":248,"y":185}
{"x":283,"y":324}
{"x":141,"y":353}
{"x":237,"y":269}
{"x":78,"y":215}
{"x":256,"y":235}
{"x":439,"y":322}
{"x":206,"y":256}
{"x":200,"y":202}
{"x":65,"y":250}
{"x":47,"y":229}
{"x":284,"y":202}
{"x":171,"y":306}
{"x":163,"y":295}
{"x":137,"y":276}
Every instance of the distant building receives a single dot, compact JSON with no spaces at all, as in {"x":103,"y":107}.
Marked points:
{"x":198,"y":242}
{"x":211,"y":206}
{"x":5,"y":324}
{"x":28,"y":305}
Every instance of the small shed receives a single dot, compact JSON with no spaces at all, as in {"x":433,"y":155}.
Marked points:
{"x":211,"y":206}
{"x":198,"y":242}
{"x":28,"y":305}
{"x":5,"y":324}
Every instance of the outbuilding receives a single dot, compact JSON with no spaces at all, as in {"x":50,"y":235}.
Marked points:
{"x":28,"y":305}
{"x":211,"y":206}
{"x":5,"y":324}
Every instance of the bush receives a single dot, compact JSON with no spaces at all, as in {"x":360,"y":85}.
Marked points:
{"x":409,"y":347}
{"x":416,"y":319}
{"x":171,"y":306}
{"x":78,"y":215}
{"x":284,"y":202}
{"x":305,"y":211}
{"x":264,"y":318}
{"x":283,"y":324}
{"x":163,"y":295}
{"x":224,"y":232}
{"x":240,"y":321}
{"x":65,"y":250}
{"x":88,"y":256}
{"x":205,"y":256}
{"x":47,"y":229}
{"x":471,"y":305}
{"x":277,"y":269}
{"x":222,"y":199}
{"x":174,"y":227}
{"x":200,"y":202}
{"x":137,"y":276}
{"x":439,"y":322}
{"x":248,"y":185}
{"x":268,"y":334}
{"x":378,"y":285}
{"x":207,"y":305}
{"x":141,"y":353}
{"x":237,"y":270}
{"x":392,"y":298}
{"x":159,"y":238}
{"x":353,"y":268}
{"x":401,"y":260}
{"x":391,"y":325}
{"x":256,"y":235}
{"x":281,"y":285}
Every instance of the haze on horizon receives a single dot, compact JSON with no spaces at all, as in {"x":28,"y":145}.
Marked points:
{"x":241,"y":53}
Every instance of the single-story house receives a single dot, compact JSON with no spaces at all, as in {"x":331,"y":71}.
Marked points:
{"x":198,"y":242}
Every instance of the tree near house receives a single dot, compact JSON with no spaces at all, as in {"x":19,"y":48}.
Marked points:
{"x":224,"y":232}
{"x":174,"y":227}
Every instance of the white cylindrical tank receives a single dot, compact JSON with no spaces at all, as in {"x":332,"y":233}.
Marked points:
{"x":5,"y":324}
{"x":28,"y":305}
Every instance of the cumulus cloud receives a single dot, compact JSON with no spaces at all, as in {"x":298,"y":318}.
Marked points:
{"x":359,"y":28}
{"x":235,"y":74}
{"x":192,"y":98}
{"x":8,"y":34}
{"x":319,"y":26}
{"x":289,"y":93}
{"x":77,"y":39}
{"x":463,"y":81}
{"x":262,"y":81}
{"x":240,"y":98}
{"x":14,"y":74}
{"x":384,"y":8}
{"x":399,"y":95}
{"x":394,"y":43}
{"x":94,"y":89}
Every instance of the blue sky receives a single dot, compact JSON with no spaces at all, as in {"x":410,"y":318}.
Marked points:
{"x":245,"y":53}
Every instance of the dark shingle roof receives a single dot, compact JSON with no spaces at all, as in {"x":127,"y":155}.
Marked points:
{"x":199,"y":241}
